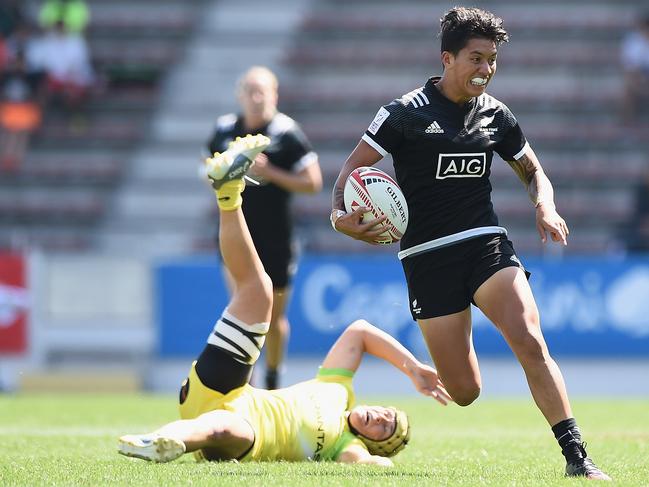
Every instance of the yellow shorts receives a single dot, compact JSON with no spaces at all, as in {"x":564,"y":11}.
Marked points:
{"x":196,"y":398}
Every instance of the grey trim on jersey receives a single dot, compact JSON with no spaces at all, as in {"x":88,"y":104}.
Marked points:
{"x":451,"y":239}
{"x":305,"y":161}
{"x":226,"y":122}
{"x":279,"y":125}
{"x":374,"y":145}
{"x":521,"y":152}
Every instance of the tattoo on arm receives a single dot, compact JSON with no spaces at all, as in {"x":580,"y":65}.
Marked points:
{"x":338,"y":197}
{"x":524,"y":168}
{"x":538,"y":185}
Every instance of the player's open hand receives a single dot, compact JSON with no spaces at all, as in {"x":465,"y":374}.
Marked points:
{"x":352,"y":225}
{"x":427,"y":382}
{"x":549,"y":221}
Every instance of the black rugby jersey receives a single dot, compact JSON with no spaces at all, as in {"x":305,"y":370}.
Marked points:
{"x":442,"y":156}
{"x":267,"y":206}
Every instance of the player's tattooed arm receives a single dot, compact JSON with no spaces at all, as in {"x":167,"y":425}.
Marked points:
{"x":362,"y":155}
{"x":338,"y":200}
{"x":351,"y":224}
{"x":529,"y":171}
{"x":548,"y":221}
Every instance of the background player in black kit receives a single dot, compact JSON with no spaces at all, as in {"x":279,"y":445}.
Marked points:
{"x":442,"y":137}
{"x":288,"y":165}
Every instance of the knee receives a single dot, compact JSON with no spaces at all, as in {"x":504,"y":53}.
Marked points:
{"x":279,"y":326}
{"x":216,"y":429}
{"x":529,"y":346}
{"x":219,"y":435}
{"x":466,"y":398}
{"x":533,"y":351}
{"x":464,"y":394}
{"x":260,"y":291}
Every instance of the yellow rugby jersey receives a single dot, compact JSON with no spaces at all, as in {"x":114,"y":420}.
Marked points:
{"x":306,"y":421}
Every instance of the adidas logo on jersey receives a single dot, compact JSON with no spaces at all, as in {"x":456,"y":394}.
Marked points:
{"x":434,"y":128}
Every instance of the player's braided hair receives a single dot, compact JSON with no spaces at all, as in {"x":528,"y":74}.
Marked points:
{"x":460,"y":24}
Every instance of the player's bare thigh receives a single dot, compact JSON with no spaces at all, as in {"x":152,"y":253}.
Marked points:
{"x":449,"y":342}
{"x":252,"y":301}
{"x":506,"y":299}
{"x":228,"y":435}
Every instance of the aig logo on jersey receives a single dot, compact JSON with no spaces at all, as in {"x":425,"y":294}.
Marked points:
{"x":461,"y":165}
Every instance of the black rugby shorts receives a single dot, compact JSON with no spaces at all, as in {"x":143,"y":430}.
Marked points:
{"x":219,"y":371}
{"x":443,"y":281}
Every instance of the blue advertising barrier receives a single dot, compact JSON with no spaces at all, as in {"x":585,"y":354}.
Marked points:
{"x":589,"y":307}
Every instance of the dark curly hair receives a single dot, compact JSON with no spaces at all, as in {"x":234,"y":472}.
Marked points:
{"x":460,"y":24}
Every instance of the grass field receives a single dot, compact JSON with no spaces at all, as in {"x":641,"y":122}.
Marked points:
{"x":71,"y":440}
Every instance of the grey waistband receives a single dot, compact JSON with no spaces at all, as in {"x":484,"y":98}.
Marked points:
{"x":450,"y":239}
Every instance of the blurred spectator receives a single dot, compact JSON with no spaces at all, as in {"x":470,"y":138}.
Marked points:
{"x":635,"y":63}
{"x":74,"y":15}
{"x":65,"y":59}
{"x":24,"y":41}
{"x":4,"y":55}
{"x":637,"y":231}
{"x":20,"y":113}
{"x":11,"y":16}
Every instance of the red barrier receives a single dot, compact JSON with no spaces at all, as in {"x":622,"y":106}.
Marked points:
{"x":14,"y":304}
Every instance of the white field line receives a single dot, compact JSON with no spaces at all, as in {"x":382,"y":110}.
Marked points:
{"x":63,"y":431}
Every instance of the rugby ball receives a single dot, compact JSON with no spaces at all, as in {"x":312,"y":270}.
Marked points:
{"x":380,"y":193}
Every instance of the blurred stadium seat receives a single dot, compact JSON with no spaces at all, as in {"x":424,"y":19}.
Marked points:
{"x":58,"y":197}
{"x":559,"y":74}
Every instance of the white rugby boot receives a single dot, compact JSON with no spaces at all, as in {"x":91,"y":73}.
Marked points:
{"x":234,"y":163}
{"x":151,"y":447}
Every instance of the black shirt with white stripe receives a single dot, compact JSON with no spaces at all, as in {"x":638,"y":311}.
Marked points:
{"x":442,"y":155}
{"x":267,"y":206}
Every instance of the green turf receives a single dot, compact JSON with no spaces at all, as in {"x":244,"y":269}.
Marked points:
{"x":71,"y":440}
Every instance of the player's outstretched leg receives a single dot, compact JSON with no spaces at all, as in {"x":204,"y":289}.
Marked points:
{"x":238,"y":336}
{"x":250,"y":302}
{"x":220,"y":434}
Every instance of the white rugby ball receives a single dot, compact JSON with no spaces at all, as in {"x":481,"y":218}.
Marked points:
{"x":380,"y":193}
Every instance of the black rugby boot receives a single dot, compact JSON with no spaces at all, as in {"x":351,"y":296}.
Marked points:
{"x":584,"y":467}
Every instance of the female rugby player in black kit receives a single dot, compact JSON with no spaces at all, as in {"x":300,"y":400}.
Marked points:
{"x":442,"y":137}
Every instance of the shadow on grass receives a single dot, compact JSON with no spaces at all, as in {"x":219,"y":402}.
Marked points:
{"x":346,"y":471}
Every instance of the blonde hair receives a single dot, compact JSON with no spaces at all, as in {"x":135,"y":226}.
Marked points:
{"x":257,"y":71}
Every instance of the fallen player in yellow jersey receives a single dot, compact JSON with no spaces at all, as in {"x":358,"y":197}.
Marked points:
{"x":224,"y":418}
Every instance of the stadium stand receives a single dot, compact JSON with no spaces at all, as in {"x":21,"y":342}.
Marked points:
{"x":59,"y":196}
{"x":163,"y":207}
{"x":128,"y":179}
{"x":559,"y":75}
